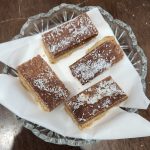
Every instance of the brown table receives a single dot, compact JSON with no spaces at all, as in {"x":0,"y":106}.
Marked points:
{"x":14,"y":13}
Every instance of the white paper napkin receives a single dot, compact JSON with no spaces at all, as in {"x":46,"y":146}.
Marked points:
{"x":111,"y":126}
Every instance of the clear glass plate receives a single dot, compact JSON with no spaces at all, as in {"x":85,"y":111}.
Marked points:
{"x":63,"y":13}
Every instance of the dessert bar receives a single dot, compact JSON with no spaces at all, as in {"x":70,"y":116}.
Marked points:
{"x":37,"y":76}
{"x":92,"y":103}
{"x":100,"y":57}
{"x":63,"y":38}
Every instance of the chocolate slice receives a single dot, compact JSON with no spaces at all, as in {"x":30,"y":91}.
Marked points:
{"x":63,"y":38}
{"x":90,"y":104}
{"x":37,"y":76}
{"x":106,"y":53}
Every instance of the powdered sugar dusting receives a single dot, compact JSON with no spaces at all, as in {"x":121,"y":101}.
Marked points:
{"x":106,"y":103}
{"x":95,"y":62}
{"x":45,"y":82}
{"x":82,"y":119}
{"x":88,"y":70}
{"x":100,"y":96}
{"x":40,"y":83}
{"x":69,"y":34}
{"x":103,"y":89}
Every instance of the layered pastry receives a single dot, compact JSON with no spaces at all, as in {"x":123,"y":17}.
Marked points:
{"x":100,"y":57}
{"x":37,"y":76}
{"x":92,"y":103}
{"x":63,"y":38}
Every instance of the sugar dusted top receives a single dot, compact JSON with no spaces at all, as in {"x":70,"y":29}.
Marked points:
{"x":96,"y":61}
{"x":69,"y":34}
{"x":44,"y":81}
{"x":95,"y":100}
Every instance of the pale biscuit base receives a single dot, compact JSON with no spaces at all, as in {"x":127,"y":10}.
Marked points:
{"x":105,"y":39}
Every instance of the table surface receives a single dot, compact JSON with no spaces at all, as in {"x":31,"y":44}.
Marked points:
{"x":14,"y":13}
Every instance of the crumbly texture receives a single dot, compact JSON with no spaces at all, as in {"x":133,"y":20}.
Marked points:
{"x":67,"y":36}
{"x":100,"y":57}
{"x":37,"y":76}
{"x":93,"y":102}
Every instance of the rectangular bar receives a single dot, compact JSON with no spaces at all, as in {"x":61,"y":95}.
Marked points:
{"x":92,"y":103}
{"x":102,"y":56}
{"x":67,"y":36}
{"x":37,"y":76}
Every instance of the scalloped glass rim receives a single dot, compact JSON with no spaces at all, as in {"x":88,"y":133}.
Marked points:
{"x":53,"y":137}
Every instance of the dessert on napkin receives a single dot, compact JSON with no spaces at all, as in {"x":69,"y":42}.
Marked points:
{"x":43,"y":83}
{"x":106,"y":86}
{"x":91,"y":104}
{"x":100,"y":57}
{"x":63,"y":38}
